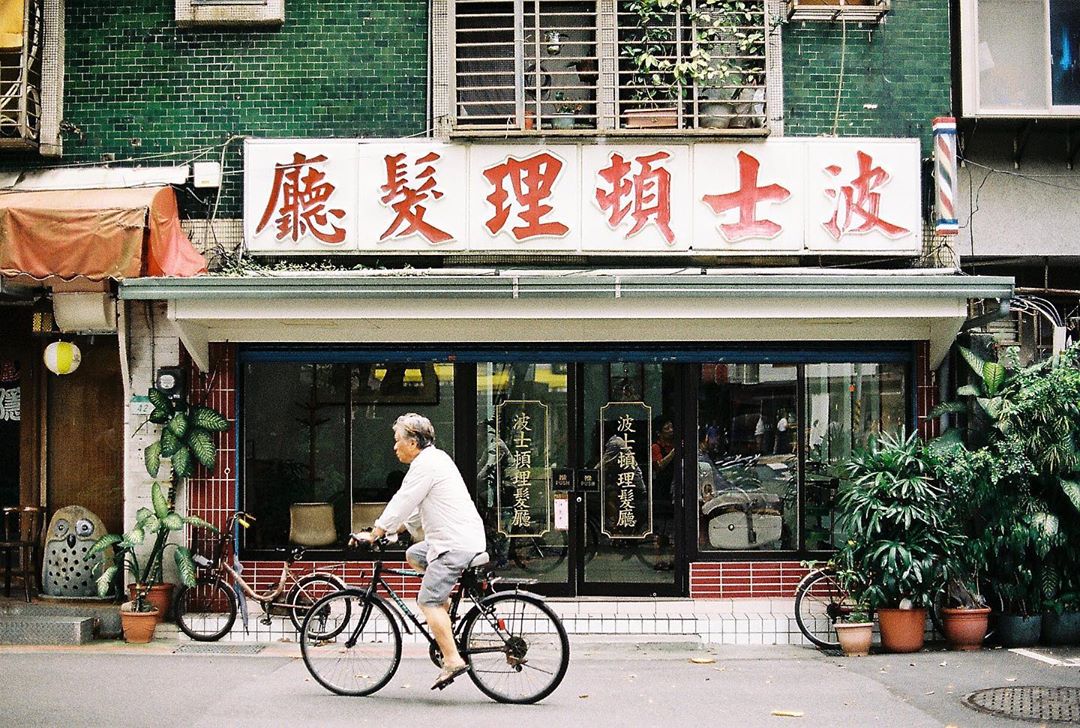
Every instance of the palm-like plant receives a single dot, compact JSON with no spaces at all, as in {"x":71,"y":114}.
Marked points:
{"x":186,"y":440}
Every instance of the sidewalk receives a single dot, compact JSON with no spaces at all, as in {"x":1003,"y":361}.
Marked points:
{"x":622,"y":681}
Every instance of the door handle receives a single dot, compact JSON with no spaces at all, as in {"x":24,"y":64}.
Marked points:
{"x":578,"y":499}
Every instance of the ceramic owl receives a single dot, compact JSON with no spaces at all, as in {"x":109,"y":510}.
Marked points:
{"x":72,"y":531}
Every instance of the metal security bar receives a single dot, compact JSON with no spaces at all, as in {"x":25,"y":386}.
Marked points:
{"x":535,"y":65}
{"x":20,"y":79}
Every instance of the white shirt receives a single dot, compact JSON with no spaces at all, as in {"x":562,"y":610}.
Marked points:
{"x":434,"y":488}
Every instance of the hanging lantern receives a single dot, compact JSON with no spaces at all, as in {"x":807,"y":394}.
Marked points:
{"x":62,"y":357}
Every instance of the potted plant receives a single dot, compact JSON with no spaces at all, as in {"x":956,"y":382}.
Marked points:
{"x":855,"y":631}
{"x":892,"y":516}
{"x":185,"y":441}
{"x":566,"y":111}
{"x":1061,"y":621}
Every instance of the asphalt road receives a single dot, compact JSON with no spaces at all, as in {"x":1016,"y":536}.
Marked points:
{"x":619,"y":684}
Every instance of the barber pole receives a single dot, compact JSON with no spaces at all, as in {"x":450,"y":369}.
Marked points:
{"x":945,"y":175}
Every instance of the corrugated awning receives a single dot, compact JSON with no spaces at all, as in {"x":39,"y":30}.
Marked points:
{"x":95,"y":234}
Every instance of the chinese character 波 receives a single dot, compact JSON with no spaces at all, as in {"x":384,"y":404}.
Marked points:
{"x":856,"y":205}
{"x":298,"y":197}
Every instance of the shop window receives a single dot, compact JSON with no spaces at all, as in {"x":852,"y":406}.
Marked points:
{"x":318,"y":446}
{"x":1021,"y":58}
{"x":746,"y":457}
{"x":749,"y":436}
{"x":846,"y":404}
{"x":193,"y":13}
{"x":578,"y":65}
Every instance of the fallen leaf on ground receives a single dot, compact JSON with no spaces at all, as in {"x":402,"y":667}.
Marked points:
{"x":1011,"y":679}
{"x":584,"y":696}
{"x":788,"y":713}
{"x":703,"y":660}
{"x":929,"y":692}
{"x":943,"y":664}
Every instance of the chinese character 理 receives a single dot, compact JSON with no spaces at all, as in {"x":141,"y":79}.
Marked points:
{"x":530,"y":182}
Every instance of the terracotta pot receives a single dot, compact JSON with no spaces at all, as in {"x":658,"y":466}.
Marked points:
{"x":855,"y":637}
{"x":159,"y":596}
{"x":138,"y":626}
{"x":902,"y":630}
{"x":965,"y":628}
{"x":651,"y":118}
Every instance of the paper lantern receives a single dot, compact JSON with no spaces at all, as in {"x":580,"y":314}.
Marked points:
{"x":62,"y":357}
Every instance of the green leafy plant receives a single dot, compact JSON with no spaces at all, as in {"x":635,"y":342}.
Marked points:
{"x":894,"y":521}
{"x":186,"y":440}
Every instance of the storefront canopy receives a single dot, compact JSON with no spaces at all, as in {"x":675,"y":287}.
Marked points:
{"x":95,"y":234}
{"x":576,"y":306}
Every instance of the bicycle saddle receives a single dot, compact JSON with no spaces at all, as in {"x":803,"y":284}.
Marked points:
{"x":479,"y":560}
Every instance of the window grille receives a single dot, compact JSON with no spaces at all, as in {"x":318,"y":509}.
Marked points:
{"x":20,"y":79}
{"x":574,"y":66}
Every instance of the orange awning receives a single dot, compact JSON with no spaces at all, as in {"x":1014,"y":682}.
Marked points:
{"x":95,"y":234}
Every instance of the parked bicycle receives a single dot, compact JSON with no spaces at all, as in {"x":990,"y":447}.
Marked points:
{"x":821,"y":601}
{"x":515,"y":645}
{"x":206,"y":612}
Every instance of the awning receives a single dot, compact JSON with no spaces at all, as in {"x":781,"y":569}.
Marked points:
{"x":561,"y":306}
{"x":95,"y":234}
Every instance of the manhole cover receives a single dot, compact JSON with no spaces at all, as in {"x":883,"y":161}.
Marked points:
{"x":1061,"y":705}
{"x":194,"y":649}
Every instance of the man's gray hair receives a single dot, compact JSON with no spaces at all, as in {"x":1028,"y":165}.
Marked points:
{"x":416,"y":428}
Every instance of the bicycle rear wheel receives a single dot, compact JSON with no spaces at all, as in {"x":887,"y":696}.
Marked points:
{"x":516,"y":647}
{"x":206,"y":611}
{"x":351,"y":644}
{"x":820,"y":601}
{"x":307,"y":591}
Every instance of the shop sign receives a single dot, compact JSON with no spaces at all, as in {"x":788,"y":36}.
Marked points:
{"x":783,"y":196}
{"x":626,"y":470}
{"x":523,"y":477}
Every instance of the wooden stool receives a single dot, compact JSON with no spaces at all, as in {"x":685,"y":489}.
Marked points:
{"x":22,"y":534}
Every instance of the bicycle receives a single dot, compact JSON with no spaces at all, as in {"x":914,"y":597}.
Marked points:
{"x":206,"y":612}
{"x":821,"y":601}
{"x":515,"y":645}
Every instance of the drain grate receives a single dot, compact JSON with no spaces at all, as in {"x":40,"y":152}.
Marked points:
{"x":200,"y":649}
{"x":1059,"y":705}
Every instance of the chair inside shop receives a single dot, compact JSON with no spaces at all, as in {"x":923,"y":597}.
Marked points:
{"x":365,"y":513}
{"x":20,"y":544}
{"x":312,"y":524}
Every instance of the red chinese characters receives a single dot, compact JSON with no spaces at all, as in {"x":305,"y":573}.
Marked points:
{"x":857,"y":204}
{"x":645,"y":195}
{"x":529,"y":182}
{"x":406,"y":194}
{"x":746,"y":200}
{"x":298,"y":197}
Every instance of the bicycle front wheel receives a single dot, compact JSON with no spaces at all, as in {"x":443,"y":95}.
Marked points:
{"x":517,"y":648}
{"x":206,"y":611}
{"x":820,"y":601}
{"x":306,"y":592}
{"x":351,"y":644}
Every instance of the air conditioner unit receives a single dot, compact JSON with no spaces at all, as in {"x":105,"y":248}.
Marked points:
{"x":859,"y":11}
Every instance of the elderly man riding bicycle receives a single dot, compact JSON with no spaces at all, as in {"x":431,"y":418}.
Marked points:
{"x":434,"y":493}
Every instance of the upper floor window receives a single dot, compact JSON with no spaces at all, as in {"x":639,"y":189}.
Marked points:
{"x":1021,"y":58}
{"x":21,"y":41}
{"x":573,"y":65}
{"x":196,"y":13}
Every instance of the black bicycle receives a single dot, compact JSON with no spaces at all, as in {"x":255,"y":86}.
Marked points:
{"x":515,"y":645}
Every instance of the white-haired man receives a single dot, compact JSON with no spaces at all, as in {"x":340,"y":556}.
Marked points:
{"x":453,"y":530}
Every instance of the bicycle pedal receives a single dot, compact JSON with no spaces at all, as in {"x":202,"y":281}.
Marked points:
{"x":266,"y":621}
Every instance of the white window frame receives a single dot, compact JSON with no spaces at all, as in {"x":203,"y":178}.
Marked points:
{"x":199,"y":13}
{"x":971,"y":101}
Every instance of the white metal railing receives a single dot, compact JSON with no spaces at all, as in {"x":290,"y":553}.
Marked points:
{"x":20,"y":79}
{"x":533,"y":65}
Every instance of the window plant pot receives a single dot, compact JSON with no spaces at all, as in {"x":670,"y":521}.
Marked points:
{"x":1061,"y":629}
{"x":159,"y":597}
{"x":138,"y":626}
{"x":562,"y":121}
{"x":902,"y":630}
{"x":646,"y":118}
{"x":965,"y":628}
{"x":855,"y":638}
{"x":1018,"y":630}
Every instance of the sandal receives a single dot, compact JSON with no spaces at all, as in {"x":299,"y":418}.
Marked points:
{"x":448,"y":674}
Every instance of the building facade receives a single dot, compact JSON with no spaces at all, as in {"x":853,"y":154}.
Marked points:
{"x":646,"y":303}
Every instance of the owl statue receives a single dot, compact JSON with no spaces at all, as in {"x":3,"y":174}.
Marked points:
{"x":65,"y":573}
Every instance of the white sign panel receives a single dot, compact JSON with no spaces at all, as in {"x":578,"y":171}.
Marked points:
{"x":784,"y":196}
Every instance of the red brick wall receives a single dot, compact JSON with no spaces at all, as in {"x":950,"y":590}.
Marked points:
{"x":741,"y":579}
{"x":926,"y":391}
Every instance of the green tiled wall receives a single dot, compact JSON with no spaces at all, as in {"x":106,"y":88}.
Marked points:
{"x":900,"y":69}
{"x":336,"y":68}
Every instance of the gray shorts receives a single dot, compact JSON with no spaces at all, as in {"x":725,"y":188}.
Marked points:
{"x":440,"y":575}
